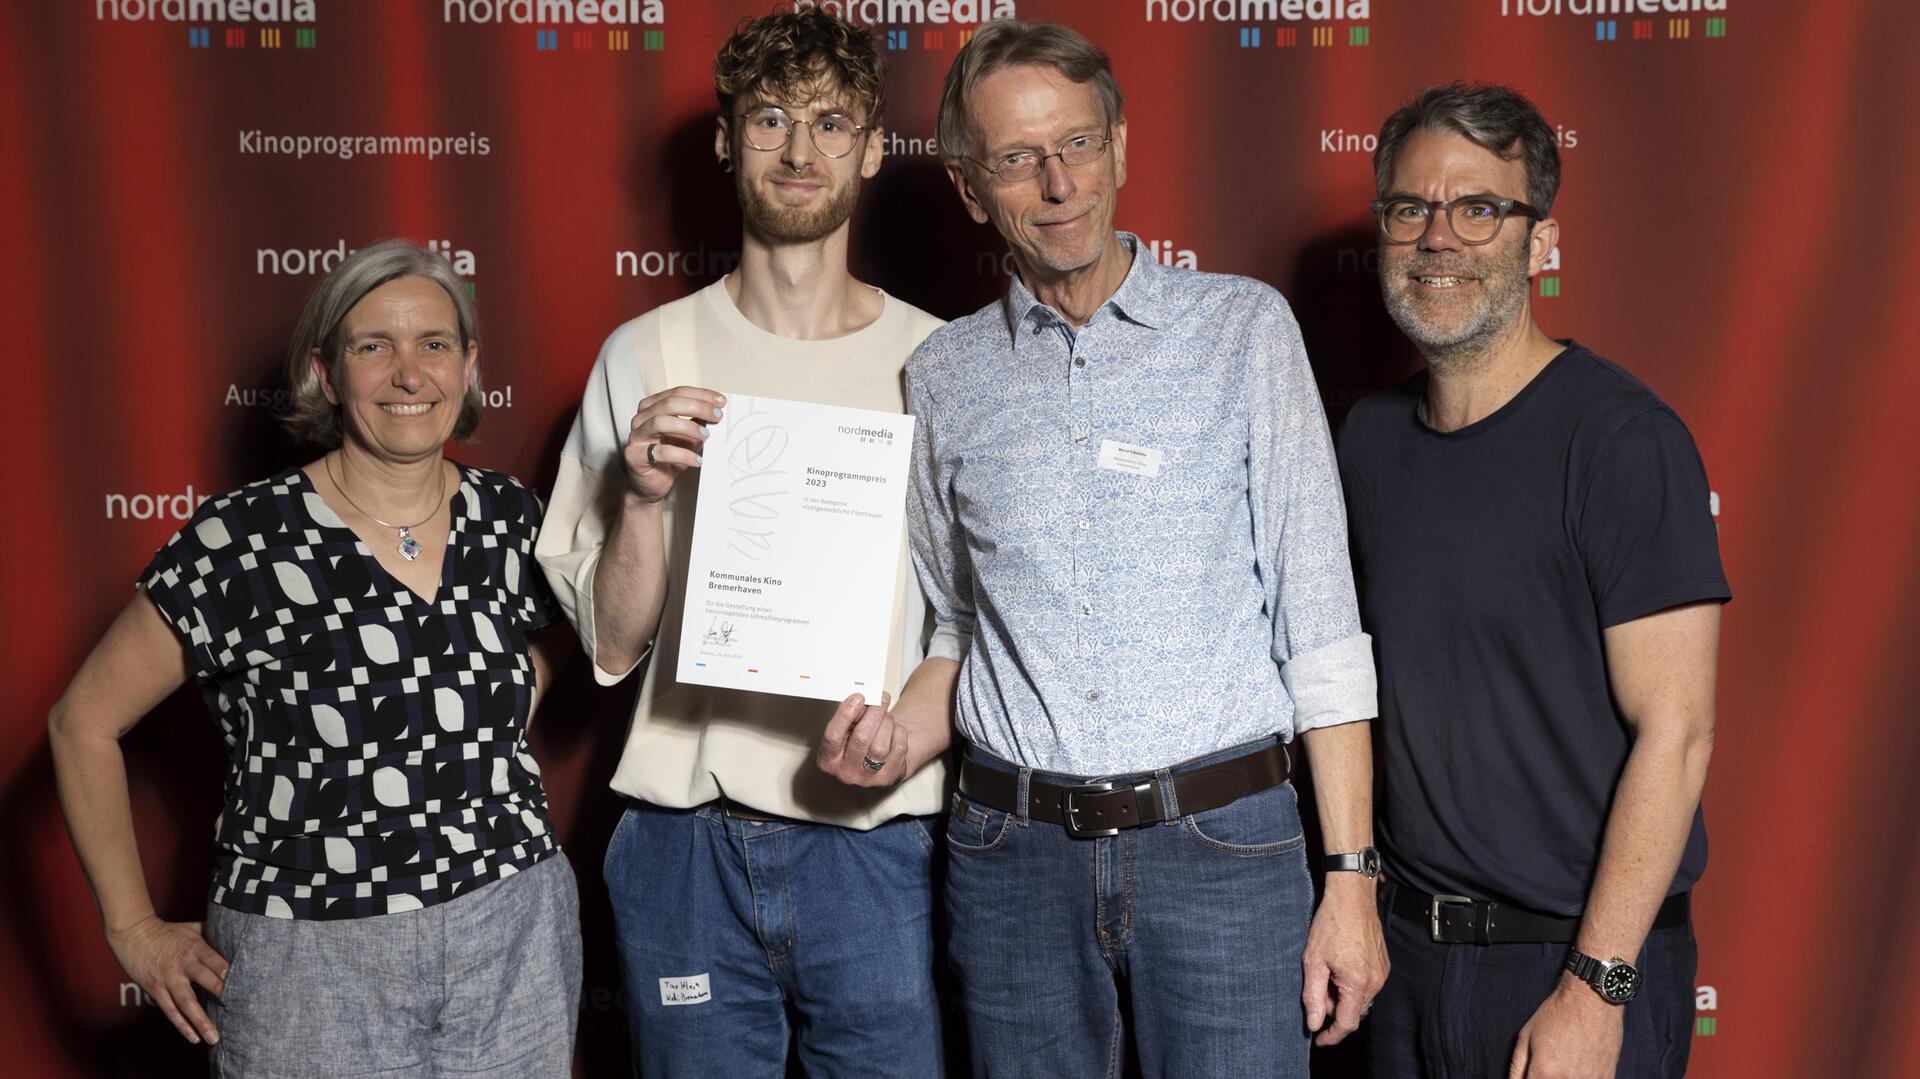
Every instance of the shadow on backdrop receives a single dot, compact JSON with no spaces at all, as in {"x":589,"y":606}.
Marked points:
{"x":1334,"y":288}
{"x":174,"y":759}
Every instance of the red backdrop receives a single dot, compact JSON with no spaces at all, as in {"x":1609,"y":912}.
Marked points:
{"x":1737,"y":231}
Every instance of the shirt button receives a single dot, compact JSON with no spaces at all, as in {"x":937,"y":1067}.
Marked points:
{"x":1093,"y":694}
{"x":1079,"y":361}
{"x":1086,"y":608}
{"x":1084,"y":525}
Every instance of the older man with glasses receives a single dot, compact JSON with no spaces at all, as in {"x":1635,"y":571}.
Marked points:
{"x":1125,"y":492}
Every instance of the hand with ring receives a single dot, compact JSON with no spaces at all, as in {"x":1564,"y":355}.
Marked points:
{"x":665,"y":437}
{"x":863,"y":745}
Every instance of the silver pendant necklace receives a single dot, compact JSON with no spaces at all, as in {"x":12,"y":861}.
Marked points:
{"x":409,"y":547}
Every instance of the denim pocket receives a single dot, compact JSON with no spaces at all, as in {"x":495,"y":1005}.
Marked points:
{"x":921,"y":831}
{"x":610,"y":863}
{"x":976,"y":829}
{"x":1259,"y":824}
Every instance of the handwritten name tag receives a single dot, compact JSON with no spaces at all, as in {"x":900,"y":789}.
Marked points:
{"x":1124,"y":457}
{"x":689,"y":990}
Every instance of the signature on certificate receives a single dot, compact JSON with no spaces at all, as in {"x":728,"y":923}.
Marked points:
{"x":718,"y":632}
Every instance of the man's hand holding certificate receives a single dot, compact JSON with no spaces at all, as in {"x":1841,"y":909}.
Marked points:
{"x":796,"y":545}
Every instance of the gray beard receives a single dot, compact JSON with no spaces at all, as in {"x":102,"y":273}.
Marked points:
{"x":1504,"y":286}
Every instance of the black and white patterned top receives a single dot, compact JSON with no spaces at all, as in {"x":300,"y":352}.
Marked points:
{"x":377,"y":757}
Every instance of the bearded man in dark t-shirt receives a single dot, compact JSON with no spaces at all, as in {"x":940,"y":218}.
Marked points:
{"x":1539,"y":568}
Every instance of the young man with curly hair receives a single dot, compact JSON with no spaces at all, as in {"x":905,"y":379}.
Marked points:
{"x":771,"y":876}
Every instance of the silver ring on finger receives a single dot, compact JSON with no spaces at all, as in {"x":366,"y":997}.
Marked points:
{"x":871,"y":764}
{"x":651,"y":446}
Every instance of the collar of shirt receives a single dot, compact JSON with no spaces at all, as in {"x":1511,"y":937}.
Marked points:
{"x":1140,"y":299}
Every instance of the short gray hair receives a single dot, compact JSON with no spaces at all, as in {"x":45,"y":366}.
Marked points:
{"x":309,"y":416}
{"x":1006,"y":43}
{"x":1495,"y":118}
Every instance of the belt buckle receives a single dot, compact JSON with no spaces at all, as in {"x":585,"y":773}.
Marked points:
{"x":1433,"y":913}
{"x":1068,"y":811}
{"x":732,"y":811}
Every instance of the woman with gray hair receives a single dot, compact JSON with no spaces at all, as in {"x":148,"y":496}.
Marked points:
{"x":388,"y":893}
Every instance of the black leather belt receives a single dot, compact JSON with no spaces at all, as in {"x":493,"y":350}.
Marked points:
{"x":1455,"y":919}
{"x":733,"y":809}
{"x":1109,"y":806}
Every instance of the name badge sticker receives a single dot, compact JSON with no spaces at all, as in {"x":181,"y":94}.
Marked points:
{"x":688,"y":990}
{"x":1124,"y":457}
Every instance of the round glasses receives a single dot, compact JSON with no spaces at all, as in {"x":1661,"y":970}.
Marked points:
{"x":1016,"y":166}
{"x":769,"y":128}
{"x":1475,"y":219}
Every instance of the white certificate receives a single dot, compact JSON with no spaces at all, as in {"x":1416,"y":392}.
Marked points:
{"x":796,"y":549}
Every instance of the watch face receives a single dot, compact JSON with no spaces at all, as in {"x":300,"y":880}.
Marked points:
{"x":1370,"y":862}
{"x":1619,"y":983}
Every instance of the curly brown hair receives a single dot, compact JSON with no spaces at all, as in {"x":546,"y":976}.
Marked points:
{"x":790,"y":51}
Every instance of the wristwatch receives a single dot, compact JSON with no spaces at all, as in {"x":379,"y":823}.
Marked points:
{"x":1365,"y":861}
{"x":1614,"y":979}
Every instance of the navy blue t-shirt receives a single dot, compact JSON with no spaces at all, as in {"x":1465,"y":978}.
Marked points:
{"x":1489,"y":560}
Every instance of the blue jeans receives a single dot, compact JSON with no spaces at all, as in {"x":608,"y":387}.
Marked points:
{"x":1187,"y":934}
{"x":738,"y":936}
{"x":1454,"y":1011}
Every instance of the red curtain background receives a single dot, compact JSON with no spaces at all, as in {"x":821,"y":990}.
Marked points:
{"x":1738,"y":229}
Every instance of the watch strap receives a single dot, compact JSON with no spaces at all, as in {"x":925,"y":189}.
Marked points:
{"x":1584,"y":967}
{"x":1595,"y":973}
{"x":1365,"y":861}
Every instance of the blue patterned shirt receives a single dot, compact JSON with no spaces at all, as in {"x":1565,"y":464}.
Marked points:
{"x":1139,"y":522}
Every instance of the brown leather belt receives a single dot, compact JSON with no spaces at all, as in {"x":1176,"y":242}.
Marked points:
{"x":1109,"y":806}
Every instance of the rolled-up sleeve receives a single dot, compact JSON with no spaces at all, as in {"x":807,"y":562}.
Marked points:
{"x":1300,"y":531}
{"x":934,"y":537}
{"x":587,"y":491}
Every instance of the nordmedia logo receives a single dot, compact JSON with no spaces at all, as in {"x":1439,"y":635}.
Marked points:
{"x":310,"y":261}
{"x":697,"y":263}
{"x":1706,"y":1002}
{"x":1549,"y":276}
{"x":940,"y":24}
{"x":1000,"y":263}
{"x":591,"y":25}
{"x":1332,"y":22}
{"x":1635,"y":20}
{"x":178,"y":506}
{"x":878,"y":436}
{"x":207,"y":12}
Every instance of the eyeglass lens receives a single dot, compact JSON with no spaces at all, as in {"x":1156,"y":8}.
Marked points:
{"x":770,"y":128}
{"x":1026,"y":164}
{"x":1475,"y":221}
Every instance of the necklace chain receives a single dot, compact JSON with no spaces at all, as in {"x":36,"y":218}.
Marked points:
{"x":403,"y":529}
